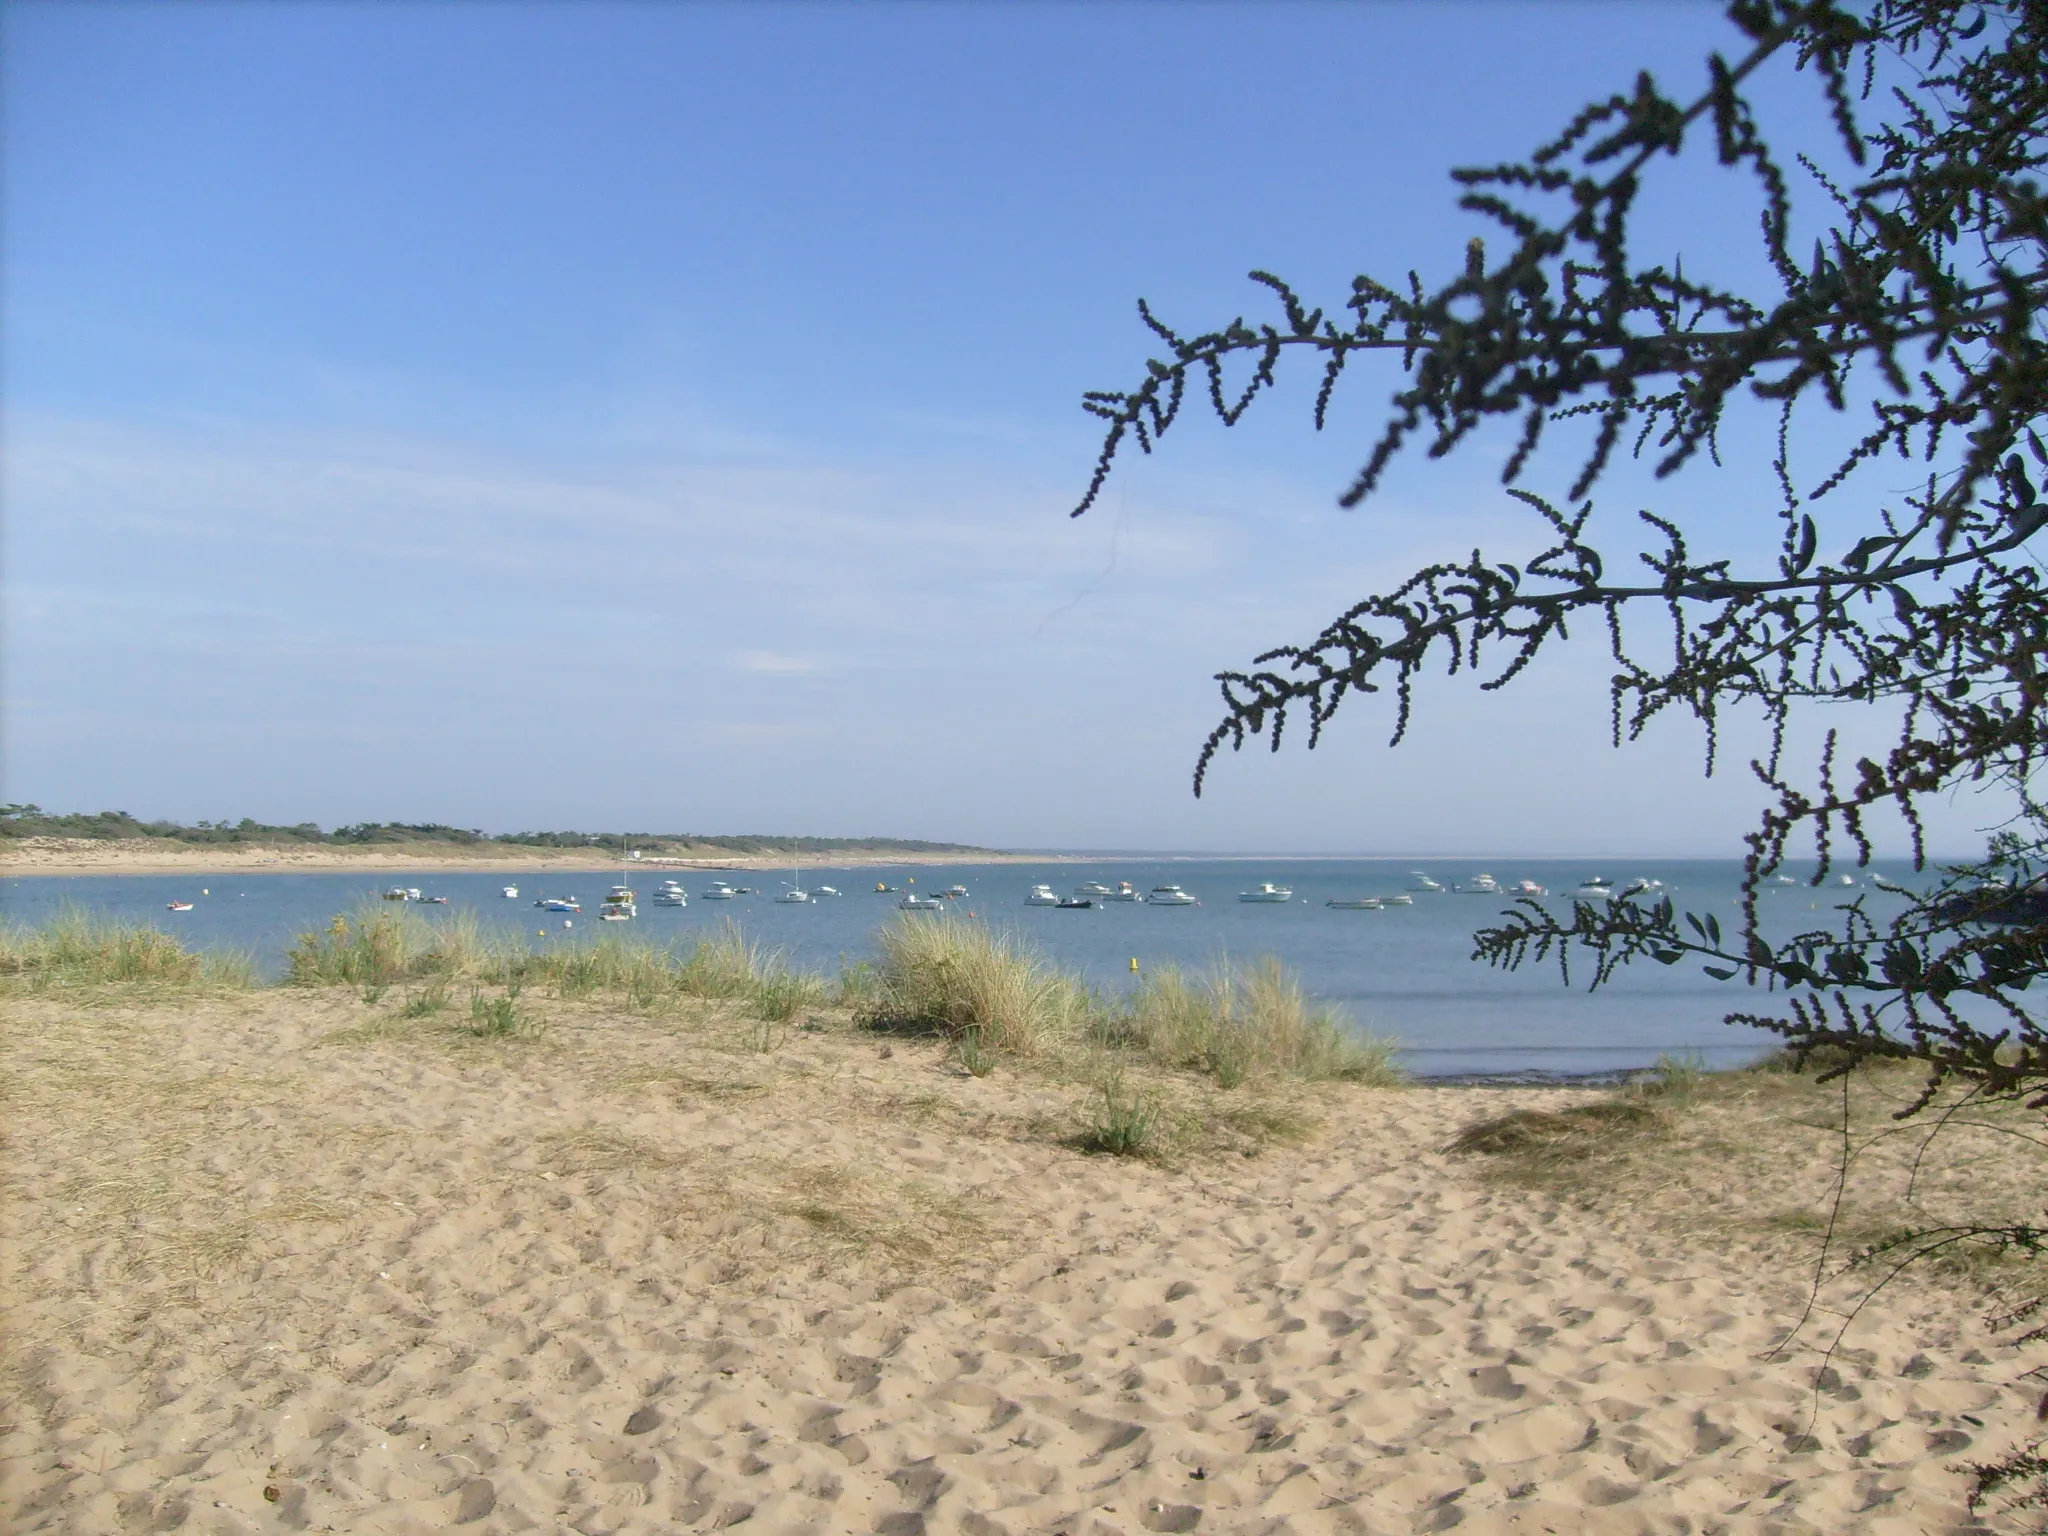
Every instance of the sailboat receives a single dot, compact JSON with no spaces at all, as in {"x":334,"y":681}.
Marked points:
{"x":619,"y":905}
{"x":796,"y":894}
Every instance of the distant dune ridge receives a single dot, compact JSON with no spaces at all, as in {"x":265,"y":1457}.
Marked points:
{"x":605,"y":1253}
{"x":112,"y":842}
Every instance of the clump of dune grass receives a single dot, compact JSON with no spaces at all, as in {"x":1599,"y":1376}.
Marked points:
{"x":1233,"y":1023}
{"x":1569,"y":1132}
{"x":379,"y":946}
{"x":1124,"y":1121}
{"x":948,"y":977}
{"x":499,"y":1017}
{"x":77,"y":948}
{"x":651,"y":976}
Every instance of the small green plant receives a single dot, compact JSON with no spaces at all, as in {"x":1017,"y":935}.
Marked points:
{"x":780,"y":995}
{"x":1674,"y":1080}
{"x":427,"y":1000}
{"x":1126,"y":1121}
{"x":973,"y":1053}
{"x":762,"y":1036}
{"x":494,"y":1017}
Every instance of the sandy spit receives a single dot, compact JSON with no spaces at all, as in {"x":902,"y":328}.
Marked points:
{"x":154,"y":856}
{"x":289,"y":1263}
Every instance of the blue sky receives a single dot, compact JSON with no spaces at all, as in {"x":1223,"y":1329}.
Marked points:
{"x":666,"y":417}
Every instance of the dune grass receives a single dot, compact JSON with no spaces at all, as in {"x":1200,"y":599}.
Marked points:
{"x":986,"y":991}
{"x":80,"y":949}
{"x":1235,"y":1022}
{"x":378,"y":947}
{"x":956,"y":978}
{"x":994,"y":996}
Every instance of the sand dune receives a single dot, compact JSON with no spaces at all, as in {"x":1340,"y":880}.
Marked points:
{"x":161,"y":856}
{"x":638,"y":1277}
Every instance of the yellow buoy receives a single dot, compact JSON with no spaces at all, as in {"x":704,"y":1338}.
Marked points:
{"x":1134,"y":962}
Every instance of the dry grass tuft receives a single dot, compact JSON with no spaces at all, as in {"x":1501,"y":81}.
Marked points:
{"x":1234,"y":1024}
{"x":952,"y":977}
{"x":78,"y":949}
{"x":1537,"y":1133}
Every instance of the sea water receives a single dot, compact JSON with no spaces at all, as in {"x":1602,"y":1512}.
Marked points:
{"x":1401,"y":971}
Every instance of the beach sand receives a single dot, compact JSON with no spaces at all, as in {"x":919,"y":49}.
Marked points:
{"x":161,"y":856}
{"x":282,"y":1262}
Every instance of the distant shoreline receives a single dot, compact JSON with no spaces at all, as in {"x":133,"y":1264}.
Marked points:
{"x":150,"y":856}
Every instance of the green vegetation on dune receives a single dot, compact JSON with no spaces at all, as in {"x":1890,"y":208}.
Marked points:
{"x":78,"y":949}
{"x":22,"y":821}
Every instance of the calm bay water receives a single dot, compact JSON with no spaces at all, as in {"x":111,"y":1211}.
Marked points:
{"x":1403,"y":971}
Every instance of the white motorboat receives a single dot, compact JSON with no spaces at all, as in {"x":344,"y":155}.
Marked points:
{"x":670,"y":893}
{"x":1418,"y":881}
{"x":717,"y":890}
{"x":1041,"y":896}
{"x":1356,"y":903}
{"x":824,"y":890}
{"x":1845,"y":880}
{"x":1169,"y":896}
{"x":1481,"y":885}
{"x":619,"y":904}
{"x":1527,"y":888}
{"x":558,"y":904}
{"x":1266,"y":890}
{"x":1592,"y":888}
{"x":615,"y":915}
{"x":955,"y":891}
{"x":1398,"y":901}
{"x":912,"y":902}
{"x":1125,"y":891}
{"x":1639,"y":886}
{"x":511,"y":893}
{"x":1092,"y":888}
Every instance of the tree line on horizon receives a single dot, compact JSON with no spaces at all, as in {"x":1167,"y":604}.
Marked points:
{"x":25,"y":821}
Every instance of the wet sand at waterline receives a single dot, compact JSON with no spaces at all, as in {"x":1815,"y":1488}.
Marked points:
{"x":286,"y":1261}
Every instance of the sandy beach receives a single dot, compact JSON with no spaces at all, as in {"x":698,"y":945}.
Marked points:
{"x":282,"y":1261}
{"x":158,"y":856}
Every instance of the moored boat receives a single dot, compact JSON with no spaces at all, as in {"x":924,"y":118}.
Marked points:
{"x":1091,"y":888}
{"x":1169,"y":896}
{"x":1481,"y":885}
{"x":1356,"y":903}
{"x":1075,"y":903}
{"x":1418,"y":881}
{"x":1266,"y":890}
{"x":511,"y":893}
{"x":912,"y":902}
{"x":1125,"y":891}
{"x":558,"y":904}
{"x":1592,"y":888}
{"x":718,"y":890}
{"x":1042,"y":896}
{"x":178,"y":906}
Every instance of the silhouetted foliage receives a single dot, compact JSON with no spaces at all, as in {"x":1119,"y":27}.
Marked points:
{"x":1921,"y":302}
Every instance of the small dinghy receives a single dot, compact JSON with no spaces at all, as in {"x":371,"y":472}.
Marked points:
{"x":178,"y":906}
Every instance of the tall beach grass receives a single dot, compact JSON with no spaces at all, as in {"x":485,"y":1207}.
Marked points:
{"x":989,"y":991}
{"x":992,"y":992}
{"x":77,"y":948}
